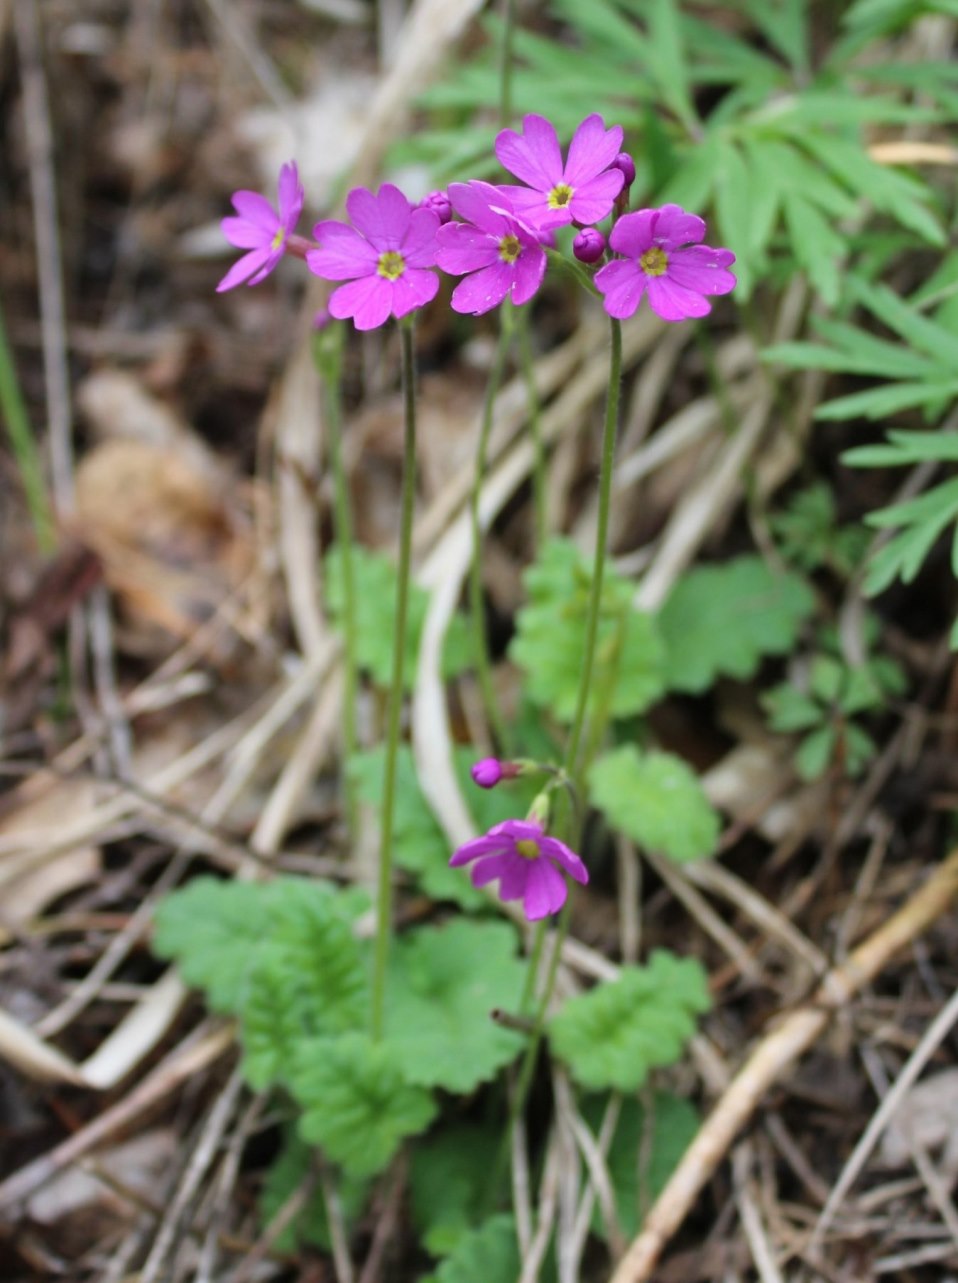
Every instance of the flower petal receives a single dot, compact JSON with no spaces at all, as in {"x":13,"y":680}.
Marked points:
{"x":674,"y":302}
{"x":546,"y":890}
{"x":419,"y":243}
{"x":480,"y":203}
{"x":245,"y":235}
{"x":593,"y":201}
{"x":243,"y":269}
{"x":623,"y":285}
{"x":528,"y":271}
{"x":482,"y":291}
{"x":675,"y":227}
{"x":593,"y":148}
{"x":700,"y":268}
{"x":368,"y":301}
{"x":342,"y":253}
{"x":383,"y":219}
{"x":533,"y":155}
{"x":511,"y":871}
{"x":291,"y":196}
{"x":261,"y":273}
{"x":256,"y":209}
{"x":415,"y":288}
{"x":465,"y":248}
{"x":632,"y":234}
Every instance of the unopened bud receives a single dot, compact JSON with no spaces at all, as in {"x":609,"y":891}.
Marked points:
{"x":438,"y":202}
{"x":589,"y":245}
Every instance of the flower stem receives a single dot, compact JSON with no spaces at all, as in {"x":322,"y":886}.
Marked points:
{"x":328,"y":348}
{"x":602,"y":530}
{"x":384,"y":896}
{"x":476,"y":611}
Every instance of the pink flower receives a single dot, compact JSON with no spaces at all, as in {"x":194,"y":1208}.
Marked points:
{"x":527,"y":864}
{"x":383,"y":257}
{"x":261,"y":230}
{"x":581,"y":191}
{"x":662,"y":257}
{"x":503,"y":255}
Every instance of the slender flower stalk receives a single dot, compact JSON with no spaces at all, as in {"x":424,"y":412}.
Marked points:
{"x":533,"y":406}
{"x":384,"y":896}
{"x":477,"y":622}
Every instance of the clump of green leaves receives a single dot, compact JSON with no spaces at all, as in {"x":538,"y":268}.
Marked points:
{"x":809,"y":536}
{"x":828,"y":702}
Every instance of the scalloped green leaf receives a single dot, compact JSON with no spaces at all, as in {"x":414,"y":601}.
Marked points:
{"x":722,"y":620}
{"x":290,"y":1168}
{"x":612,"y":1036}
{"x":356,"y":1102}
{"x":489,"y":1254}
{"x":448,"y":1179}
{"x":550,"y":638}
{"x":655,"y":799}
{"x":443,"y":983}
{"x":374,"y":577}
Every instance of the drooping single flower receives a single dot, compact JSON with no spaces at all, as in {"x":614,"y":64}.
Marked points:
{"x":384,"y":257}
{"x":580,"y":191}
{"x":262,"y":230}
{"x":662,"y":257}
{"x":501,"y":253}
{"x":528,"y":865}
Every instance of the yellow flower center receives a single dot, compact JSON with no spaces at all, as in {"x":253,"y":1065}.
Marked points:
{"x":391,"y":265}
{"x":654,"y":262}
{"x":560,"y":196}
{"x":528,"y":848}
{"x":509,"y":248}
{"x":278,"y":238}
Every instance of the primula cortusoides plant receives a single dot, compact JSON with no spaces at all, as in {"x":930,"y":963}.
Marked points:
{"x":311,"y":1004}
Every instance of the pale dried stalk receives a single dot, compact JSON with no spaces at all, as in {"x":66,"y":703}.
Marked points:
{"x":774,"y":1054}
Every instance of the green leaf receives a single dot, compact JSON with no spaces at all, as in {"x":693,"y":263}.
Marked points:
{"x":448,"y":1178}
{"x":550,"y":639}
{"x":789,"y":709}
{"x":656,"y":800}
{"x":374,"y":576}
{"x":215,"y":929}
{"x":667,"y":63}
{"x":817,"y":246}
{"x":815,"y":753}
{"x":443,"y":983}
{"x":723,"y":620}
{"x":614,"y":1035}
{"x":310,"y":1226}
{"x":904,"y":448}
{"x":645,"y":1151}
{"x":489,"y":1254}
{"x":880,"y":402}
{"x":356,"y":1103}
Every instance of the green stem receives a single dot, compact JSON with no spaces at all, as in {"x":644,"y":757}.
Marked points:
{"x":384,"y":897}
{"x":25,"y":447}
{"x":601,"y":538}
{"x":477,"y":618}
{"x":539,"y":493}
{"x":329,"y":358}
{"x":506,"y":61}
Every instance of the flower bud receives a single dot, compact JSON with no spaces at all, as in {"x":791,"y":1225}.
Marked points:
{"x":589,"y":245}
{"x":487,"y":773}
{"x":626,"y":164}
{"x":438,"y":202}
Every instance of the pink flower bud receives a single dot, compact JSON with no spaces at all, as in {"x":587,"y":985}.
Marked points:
{"x":438,"y":202}
{"x":589,"y":245}
{"x":626,"y":164}
{"x":487,"y":773}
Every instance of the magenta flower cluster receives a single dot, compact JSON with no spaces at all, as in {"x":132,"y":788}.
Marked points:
{"x":499,"y":244}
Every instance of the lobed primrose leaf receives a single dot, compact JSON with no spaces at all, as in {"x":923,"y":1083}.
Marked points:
{"x":448,"y":1176}
{"x":287,"y":1173}
{"x":612,"y":1036}
{"x":488,"y":1254}
{"x":375,"y":591}
{"x":356,"y":1102}
{"x":723,"y":620}
{"x":550,"y":638}
{"x":656,"y":800}
{"x":443,"y":983}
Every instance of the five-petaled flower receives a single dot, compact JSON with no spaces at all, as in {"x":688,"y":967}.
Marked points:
{"x":384,"y":257}
{"x":528,"y":864}
{"x":503,"y":254}
{"x":261,"y":230}
{"x":581,"y":191}
{"x":663,"y":258}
